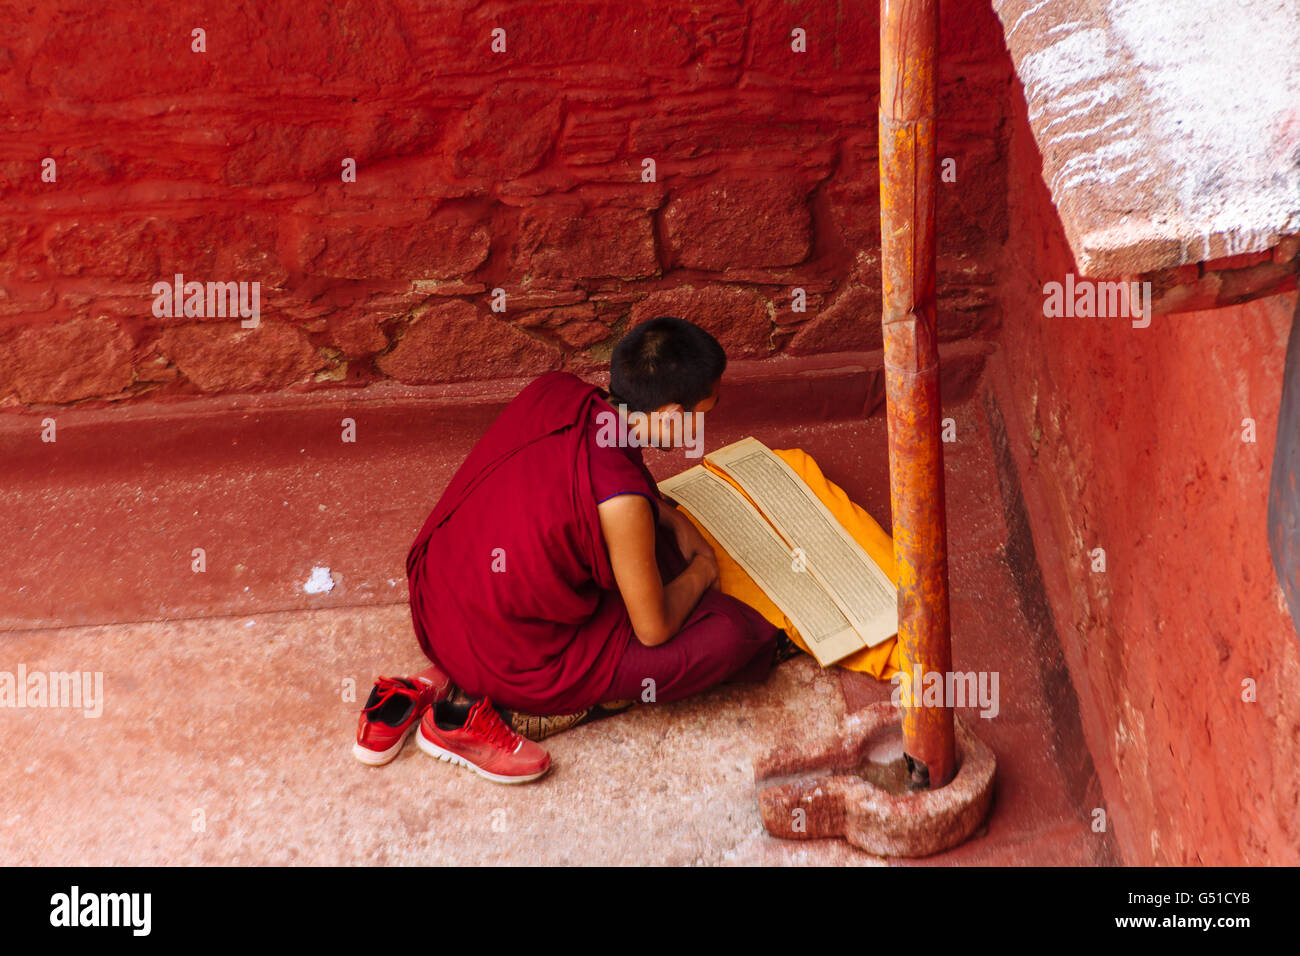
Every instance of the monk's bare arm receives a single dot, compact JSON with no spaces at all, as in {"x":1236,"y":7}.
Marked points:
{"x":656,"y":610}
{"x":689,"y":540}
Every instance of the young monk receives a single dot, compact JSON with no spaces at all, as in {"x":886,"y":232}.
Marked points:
{"x":552,"y":578}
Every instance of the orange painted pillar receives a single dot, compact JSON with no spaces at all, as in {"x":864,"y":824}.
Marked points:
{"x":909,"y":41}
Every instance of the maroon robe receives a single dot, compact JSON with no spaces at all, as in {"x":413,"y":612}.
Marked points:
{"x":512,"y":593}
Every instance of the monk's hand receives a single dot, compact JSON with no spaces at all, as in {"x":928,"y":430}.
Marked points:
{"x":689,"y":540}
{"x":709,"y":564}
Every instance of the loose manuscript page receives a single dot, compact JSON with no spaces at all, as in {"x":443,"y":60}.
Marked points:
{"x":757,"y":548}
{"x":854,"y":582}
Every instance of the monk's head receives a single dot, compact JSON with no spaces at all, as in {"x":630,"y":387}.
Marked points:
{"x":666,"y":369}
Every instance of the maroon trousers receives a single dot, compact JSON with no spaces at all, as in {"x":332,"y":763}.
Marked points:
{"x":722,"y":641}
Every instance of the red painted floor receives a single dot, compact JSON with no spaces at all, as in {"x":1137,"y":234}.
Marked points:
{"x":223,"y":689}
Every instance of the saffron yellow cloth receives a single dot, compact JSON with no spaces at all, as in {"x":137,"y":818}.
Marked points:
{"x":881,"y":661}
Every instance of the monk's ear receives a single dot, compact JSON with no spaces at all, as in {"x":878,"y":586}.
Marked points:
{"x":670,"y":419}
{"x":669,"y":415}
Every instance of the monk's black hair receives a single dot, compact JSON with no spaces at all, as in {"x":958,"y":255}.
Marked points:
{"x":665,"y":361}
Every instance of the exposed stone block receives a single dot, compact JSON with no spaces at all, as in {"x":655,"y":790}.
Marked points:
{"x":453,"y":341}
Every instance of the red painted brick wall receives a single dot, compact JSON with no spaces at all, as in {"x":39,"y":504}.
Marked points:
{"x":476,"y":170}
{"x":1130,"y":440}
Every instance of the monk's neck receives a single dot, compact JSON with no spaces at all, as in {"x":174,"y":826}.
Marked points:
{"x":632,"y":423}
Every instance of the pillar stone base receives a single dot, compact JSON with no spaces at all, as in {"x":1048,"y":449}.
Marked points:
{"x":850,"y":785}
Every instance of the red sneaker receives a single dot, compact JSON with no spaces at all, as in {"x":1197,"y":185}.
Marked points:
{"x":475,"y":737}
{"x":391,"y":712}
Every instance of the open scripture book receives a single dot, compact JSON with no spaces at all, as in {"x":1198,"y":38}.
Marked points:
{"x":834,"y":594}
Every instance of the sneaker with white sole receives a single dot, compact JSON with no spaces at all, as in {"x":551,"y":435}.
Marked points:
{"x":394,"y":707}
{"x":474,"y":736}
